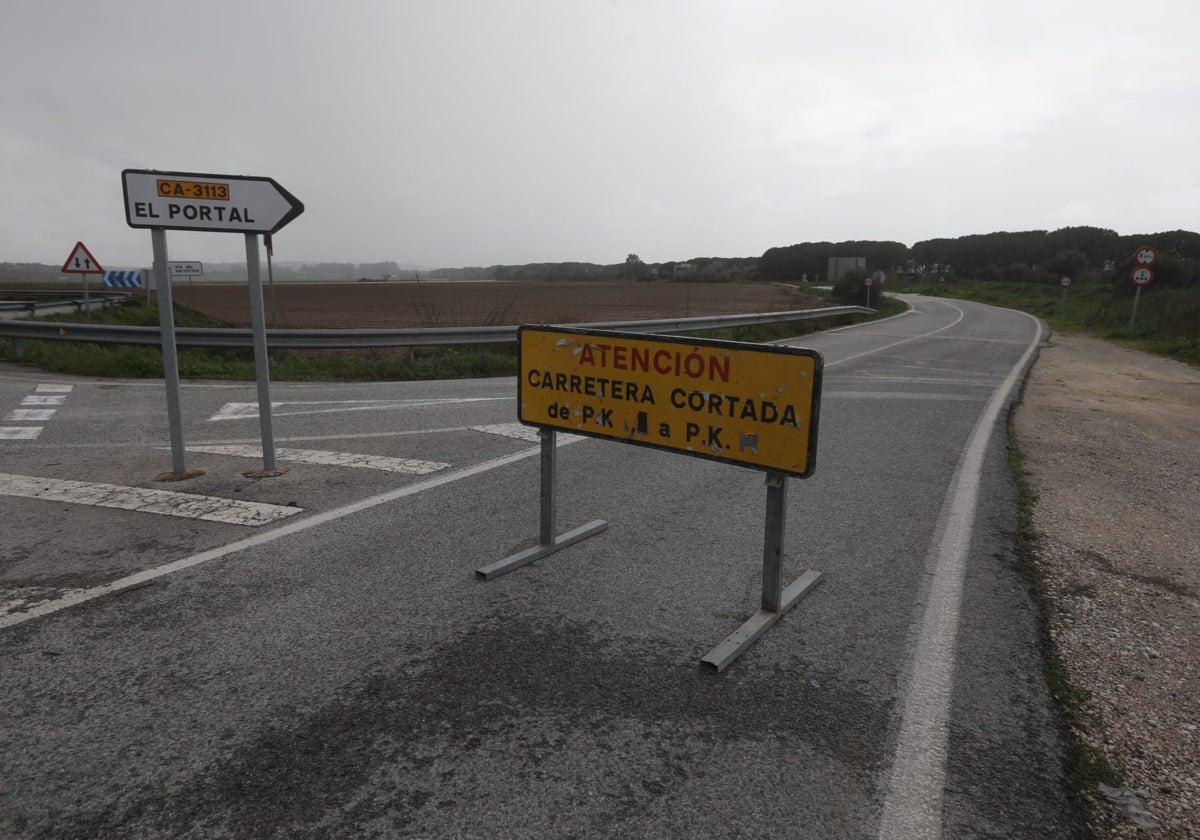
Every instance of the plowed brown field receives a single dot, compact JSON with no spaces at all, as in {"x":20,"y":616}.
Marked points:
{"x":397,"y":305}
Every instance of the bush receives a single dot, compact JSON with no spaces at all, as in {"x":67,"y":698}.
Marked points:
{"x":851,"y":290}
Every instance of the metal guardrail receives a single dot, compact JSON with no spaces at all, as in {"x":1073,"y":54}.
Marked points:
{"x":14,"y":300}
{"x":361,"y":338}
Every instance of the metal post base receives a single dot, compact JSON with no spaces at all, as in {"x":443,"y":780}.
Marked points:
{"x":720,"y":657}
{"x":523,"y":558}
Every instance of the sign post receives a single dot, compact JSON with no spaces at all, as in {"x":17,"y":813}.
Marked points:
{"x":1142,"y":275}
{"x":269,"y":242}
{"x":82,"y":262}
{"x":166,"y":325}
{"x":867,"y":282}
{"x":1064,"y":281}
{"x":745,"y":404}
{"x":243,"y":204}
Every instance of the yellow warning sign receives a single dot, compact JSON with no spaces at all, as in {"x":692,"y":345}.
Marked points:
{"x":750,"y":404}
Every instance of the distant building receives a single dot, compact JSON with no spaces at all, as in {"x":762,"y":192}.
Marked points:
{"x":840,"y":265}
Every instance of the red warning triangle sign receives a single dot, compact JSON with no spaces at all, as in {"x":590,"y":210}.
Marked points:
{"x":81,"y":261}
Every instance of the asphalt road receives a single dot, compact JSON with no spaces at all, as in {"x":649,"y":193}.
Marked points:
{"x":340,"y":672}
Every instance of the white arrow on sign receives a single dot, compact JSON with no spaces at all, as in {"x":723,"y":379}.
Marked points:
{"x":195,"y":201}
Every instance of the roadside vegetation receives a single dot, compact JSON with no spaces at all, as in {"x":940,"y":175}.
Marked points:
{"x":385,"y":364}
{"x":1167,"y":323}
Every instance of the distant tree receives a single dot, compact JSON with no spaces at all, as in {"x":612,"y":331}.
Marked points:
{"x":1098,"y":245}
{"x":379,"y":269}
{"x":1072,"y":263}
{"x":635,"y":268}
{"x":851,"y":289}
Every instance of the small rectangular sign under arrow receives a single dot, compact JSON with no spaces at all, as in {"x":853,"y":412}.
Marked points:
{"x":185,"y":269}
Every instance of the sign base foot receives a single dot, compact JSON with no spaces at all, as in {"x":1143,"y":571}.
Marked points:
{"x":178,"y":476}
{"x":523,"y":558}
{"x":720,"y":657}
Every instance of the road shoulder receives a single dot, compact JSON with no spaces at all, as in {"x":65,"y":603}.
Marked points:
{"x":1109,"y":439}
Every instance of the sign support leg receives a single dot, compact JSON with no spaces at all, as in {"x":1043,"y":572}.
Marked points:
{"x":262,"y":370}
{"x":170,"y":356}
{"x":548,"y":474}
{"x":1137,"y":295}
{"x":271,"y":286}
{"x":776,"y":600}
{"x":772,"y":577}
{"x":548,"y":543}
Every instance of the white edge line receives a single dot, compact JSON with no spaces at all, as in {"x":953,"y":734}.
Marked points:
{"x":912,"y":808}
{"x":961,"y":315}
{"x":83,"y":595}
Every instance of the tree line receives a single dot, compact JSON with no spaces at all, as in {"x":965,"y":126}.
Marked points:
{"x":1085,"y":254}
{"x":1082,"y":253}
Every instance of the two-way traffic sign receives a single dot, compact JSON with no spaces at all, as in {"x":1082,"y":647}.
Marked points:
{"x":81,"y":261}
{"x":194,"y":201}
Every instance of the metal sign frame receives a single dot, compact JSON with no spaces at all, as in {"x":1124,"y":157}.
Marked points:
{"x":776,"y":599}
{"x":210,"y":190}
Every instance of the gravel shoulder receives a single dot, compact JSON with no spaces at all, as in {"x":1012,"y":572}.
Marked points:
{"x":1110,"y":439}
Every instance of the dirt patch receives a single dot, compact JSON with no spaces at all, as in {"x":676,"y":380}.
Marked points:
{"x":400,"y":305}
{"x":1111,"y":441}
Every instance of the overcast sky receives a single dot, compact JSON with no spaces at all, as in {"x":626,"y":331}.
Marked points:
{"x":455,"y":132}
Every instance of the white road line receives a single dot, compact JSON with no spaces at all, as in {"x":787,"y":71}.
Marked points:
{"x":900,"y":395}
{"x":929,"y":334}
{"x":81,"y":596}
{"x":519,"y":431}
{"x":19,"y":598}
{"x":247,"y":411}
{"x":912,"y":808}
{"x":29,"y":414}
{"x":143,"y":500}
{"x":336,"y":459}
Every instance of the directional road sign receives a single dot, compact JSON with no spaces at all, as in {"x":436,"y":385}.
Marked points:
{"x":195,"y":201}
{"x":81,"y":261}
{"x":185,"y":269}
{"x":131,"y":279}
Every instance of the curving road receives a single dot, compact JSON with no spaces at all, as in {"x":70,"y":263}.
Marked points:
{"x":322,"y":662}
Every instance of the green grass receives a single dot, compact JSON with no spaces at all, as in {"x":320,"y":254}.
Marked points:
{"x":1168,"y":320}
{"x":390,"y":364}
{"x":143,"y":361}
